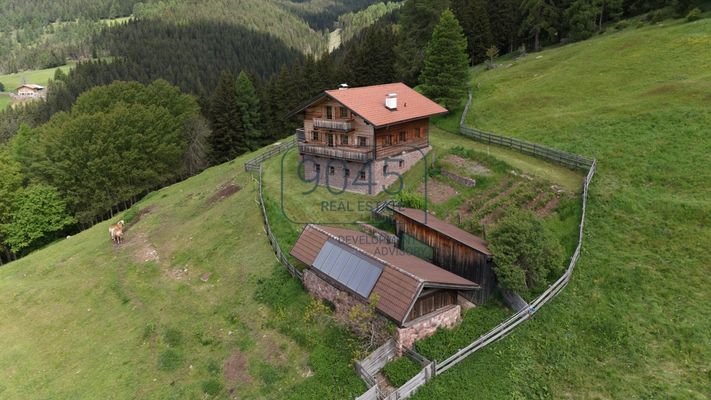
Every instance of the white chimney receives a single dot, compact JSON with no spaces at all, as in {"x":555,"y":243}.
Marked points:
{"x":343,"y":86}
{"x":391,"y":101}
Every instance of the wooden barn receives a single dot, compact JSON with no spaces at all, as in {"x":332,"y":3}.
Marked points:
{"x":409,"y":290}
{"x":448,"y":247}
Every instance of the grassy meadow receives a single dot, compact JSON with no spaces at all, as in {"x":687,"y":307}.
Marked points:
{"x":634,"y":323}
{"x":40,"y":77}
{"x":193,"y":305}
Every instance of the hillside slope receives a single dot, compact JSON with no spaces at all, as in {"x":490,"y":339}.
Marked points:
{"x":193,"y":302}
{"x":634,"y":323}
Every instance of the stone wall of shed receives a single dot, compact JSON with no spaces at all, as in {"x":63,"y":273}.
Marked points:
{"x":426,"y":326}
{"x":405,"y":337}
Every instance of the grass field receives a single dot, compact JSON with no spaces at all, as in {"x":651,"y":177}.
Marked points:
{"x":5,"y":100}
{"x":40,"y":77}
{"x":634,"y":323}
{"x":192,"y":304}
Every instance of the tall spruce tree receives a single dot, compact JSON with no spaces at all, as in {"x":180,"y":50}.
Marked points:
{"x":227,"y":140}
{"x":540,"y":16}
{"x":504,"y":18}
{"x":417,"y":20}
{"x":444,"y":77}
{"x":248,"y":104}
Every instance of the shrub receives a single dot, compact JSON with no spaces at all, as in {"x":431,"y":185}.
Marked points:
{"x":212,"y":387}
{"x":526,"y":253}
{"x":401,"y":370}
{"x":410,"y":200}
{"x":621,"y":25}
{"x":2,"y":87}
{"x":694,"y":15}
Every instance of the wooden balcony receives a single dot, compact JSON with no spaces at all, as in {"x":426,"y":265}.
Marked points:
{"x":347,"y":153}
{"x":344,"y":126}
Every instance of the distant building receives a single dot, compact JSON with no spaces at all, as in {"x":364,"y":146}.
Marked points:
{"x":30,"y":91}
{"x":360,"y":139}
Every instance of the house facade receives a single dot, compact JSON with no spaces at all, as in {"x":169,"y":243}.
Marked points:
{"x":30,"y":91}
{"x":361,"y":139}
{"x":348,"y":268}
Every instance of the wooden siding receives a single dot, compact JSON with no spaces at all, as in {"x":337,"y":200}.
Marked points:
{"x":432,"y":302}
{"x":453,"y":256}
{"x":416,"y":135}
{"x":318,"y":111}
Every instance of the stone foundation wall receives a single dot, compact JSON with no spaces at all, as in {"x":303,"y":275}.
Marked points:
{"x":427,"y":326}
{"x":319,"y":288}
{"x":380,"y":178}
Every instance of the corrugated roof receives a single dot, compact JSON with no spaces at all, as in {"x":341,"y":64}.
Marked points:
{"x":369,"y":103}
{"x":403,"y":277}
{"x":445,"y":228}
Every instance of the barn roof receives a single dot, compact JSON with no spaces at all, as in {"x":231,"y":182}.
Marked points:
{"x":449,"y":230}
{"x":369,"y":103}
{"x":403,"y":275}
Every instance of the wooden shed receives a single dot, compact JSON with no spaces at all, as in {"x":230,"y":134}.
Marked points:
{"x":448,"y":247}
{"x":409,"y":290}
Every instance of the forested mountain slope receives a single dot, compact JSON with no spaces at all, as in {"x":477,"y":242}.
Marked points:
{"x":35,"y":34}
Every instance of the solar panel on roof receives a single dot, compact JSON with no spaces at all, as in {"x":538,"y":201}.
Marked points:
{"x":348,"y":267}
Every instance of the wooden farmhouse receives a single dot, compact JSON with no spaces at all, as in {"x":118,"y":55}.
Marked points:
{"x":30,"y":91}
{"x":359,"y":139}
{"x":447,"y":246}
{"x":348,"y":267}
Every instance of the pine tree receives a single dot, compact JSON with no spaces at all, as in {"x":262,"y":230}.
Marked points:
{"x":225,"y":121}
{"x":444,"y":77}
{"x":480,"y":38}
{"x":504,"y":17}
{"x":418,"y":19}
{"x":540,"y":16}
{"x":248,"y":104}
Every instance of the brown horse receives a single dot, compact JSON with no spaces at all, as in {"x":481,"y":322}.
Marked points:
{"x":116,"y":232}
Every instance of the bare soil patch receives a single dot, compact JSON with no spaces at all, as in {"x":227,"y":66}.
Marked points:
{"x":469,"y":166}
{"x":138,"y":217}
{"x":223,"y":192}
{"x":437,"y":192}
{"x":141,"y":248}
{"x":549,"y":207}
{"x":235,"y":371}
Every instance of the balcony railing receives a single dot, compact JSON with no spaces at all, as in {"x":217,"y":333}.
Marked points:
{"x":345,"y":126}
{"x":336,"y":152}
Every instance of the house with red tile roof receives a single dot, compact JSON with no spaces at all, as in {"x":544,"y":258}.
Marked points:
{"x":361,"y":139}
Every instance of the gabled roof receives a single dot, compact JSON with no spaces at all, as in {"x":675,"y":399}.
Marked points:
{"x":31,"y":86}
{"x":369,"y":103}
{"x":436,"y":224}
{"x":403,"y":276}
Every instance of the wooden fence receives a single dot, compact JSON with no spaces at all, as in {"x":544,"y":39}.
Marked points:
{"x":255,"y":165}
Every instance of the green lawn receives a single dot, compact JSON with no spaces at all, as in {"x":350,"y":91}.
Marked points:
{"x":4,"y":100}
{"x":634,"y":323}
{"x":193,"y":302}
{"x":40,"y":77}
